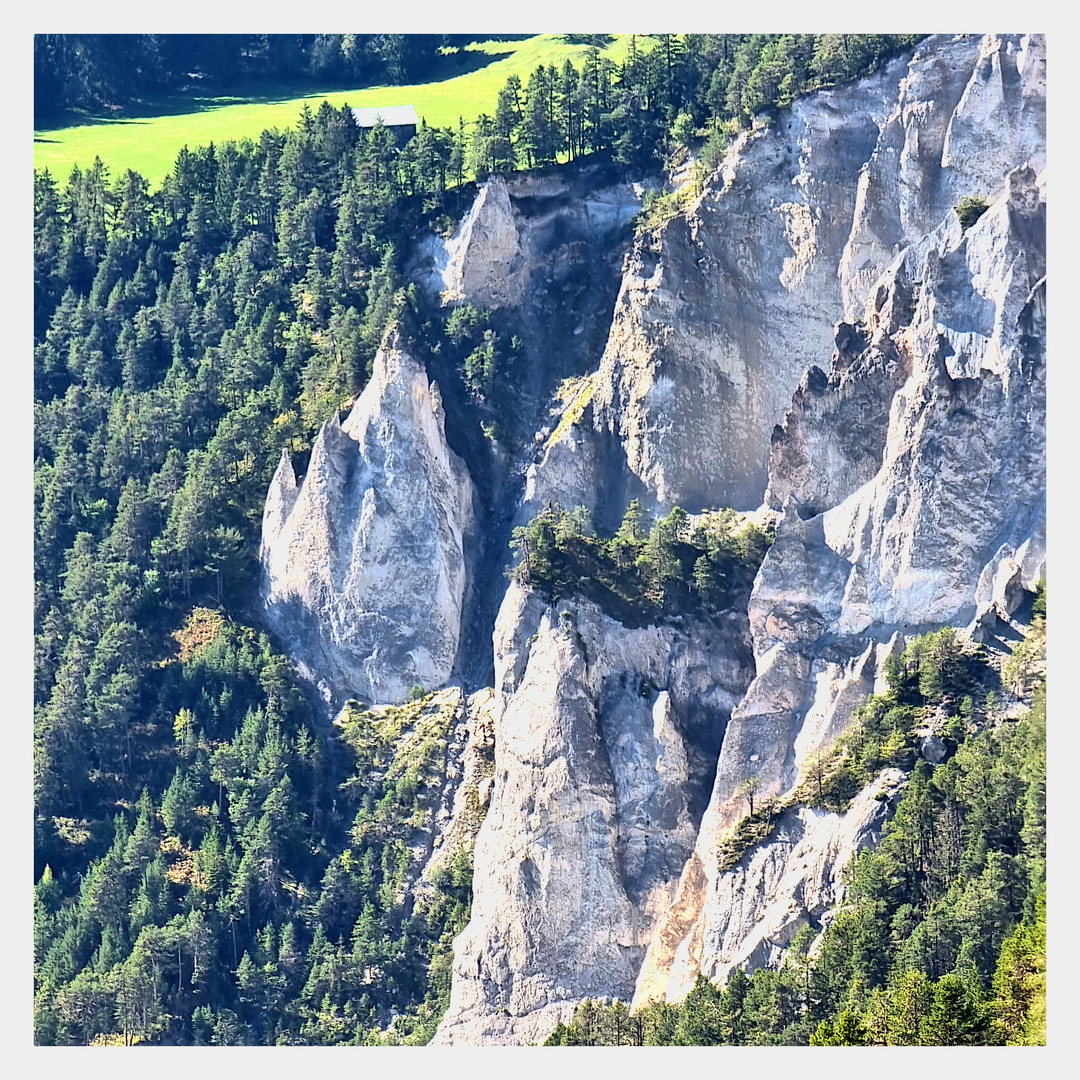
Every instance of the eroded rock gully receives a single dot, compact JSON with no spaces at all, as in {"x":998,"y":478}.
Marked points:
{"x":906,"y":474}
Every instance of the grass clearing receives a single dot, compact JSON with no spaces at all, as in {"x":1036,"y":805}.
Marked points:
{"x":148,"y":139}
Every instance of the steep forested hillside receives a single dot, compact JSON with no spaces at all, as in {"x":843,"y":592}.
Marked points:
{"x":211,"y":865}
{"x":184,"y":338}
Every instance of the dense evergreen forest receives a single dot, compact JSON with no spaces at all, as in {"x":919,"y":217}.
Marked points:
{"x":642,"y":574}
{"x":210,"y":864}
{"x":942,"y":938}
{"x":663,"y":98}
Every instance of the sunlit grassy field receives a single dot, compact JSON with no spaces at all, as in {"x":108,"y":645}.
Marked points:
{"x":148,"y":140}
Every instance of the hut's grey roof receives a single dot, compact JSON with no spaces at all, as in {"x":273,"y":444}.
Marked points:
{"x":392,"y":116}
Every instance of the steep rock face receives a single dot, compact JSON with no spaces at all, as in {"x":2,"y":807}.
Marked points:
{"x":831,"y":441}
{"x":605,"y":740}
{"x":718,"y":317}
{"x":951,"y":523}
{"x":713,"y":330}
{"x":970,"y":109}
{"x":793,"y":881}
{"x":484,"y":255}
{"x":523,"y":232}
{"x":363,"y":563}
{"x":543,"y":252}
{"x":580,"y":466}
{"x":813,"y":235}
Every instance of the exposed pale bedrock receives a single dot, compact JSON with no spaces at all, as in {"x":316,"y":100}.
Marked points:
{"x":815,"y":336}
{"x":605,"y":741}
{"x":970,"y":109}
{"x":950,"y":525}
{"x":718,"y":318}
{"x":363,"y":562}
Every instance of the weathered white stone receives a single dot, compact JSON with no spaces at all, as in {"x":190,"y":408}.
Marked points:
{"x":910,"y":478}
{"x":363,"y":564}
{"x":970,"y":109}
{"x":601,"y":770}
{"x":718,"y":318}
{"x":484,"y":254}
{"x":933,"y":538}
{"x":493,"y":257}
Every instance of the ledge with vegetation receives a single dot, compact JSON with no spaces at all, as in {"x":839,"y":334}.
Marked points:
{"x":647,"y":571}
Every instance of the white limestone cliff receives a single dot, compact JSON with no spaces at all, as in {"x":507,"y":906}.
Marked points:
{"x":910,"y":478}
{"x":484,"y":254}
{"x":604,"y":740}
{"x":969,"y":109}
{"x":717,"y":319}
{"x":364,"y":562}
{"x":776,"y":889}
{"x":952,"y":520}
{"x":522,"y":226}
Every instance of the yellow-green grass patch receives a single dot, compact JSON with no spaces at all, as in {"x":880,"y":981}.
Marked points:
{"x":149,"y":143}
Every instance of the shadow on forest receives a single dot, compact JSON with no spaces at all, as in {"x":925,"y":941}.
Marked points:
{"x":202,"y":95}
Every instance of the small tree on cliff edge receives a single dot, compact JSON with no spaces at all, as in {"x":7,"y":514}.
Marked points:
{"x":747,"y":790}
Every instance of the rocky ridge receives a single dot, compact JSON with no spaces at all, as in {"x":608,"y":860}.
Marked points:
{"x":969,"y":109}
{"x":873,"y":466}
{"x":777,"y":888}
{"x":908,"y":480}
{"x":958,"y":495}
{"x":720,"y":314}
{"x":364,"y":569}
{"x":522,"y":232}
{"x":605,"y":740}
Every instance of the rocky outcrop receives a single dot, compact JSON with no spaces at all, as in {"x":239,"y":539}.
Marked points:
{"x":605,"y":740}
{"x":970,"y":109}
{"x":831,"y":441}
{"x":910,"y":480}
{"x":951,"y":521}
{"x":908,"y":475}
{"x":542,"y":251}
{"x":525,"y":233}
{"x":720,"y":313}
{"x":364,"y":563}
{"x":719,"y":316}
{"x":794,"y":880}
{"x":484,"y":256}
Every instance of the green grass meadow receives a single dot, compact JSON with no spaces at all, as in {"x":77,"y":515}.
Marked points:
{"x":148,"y":140}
